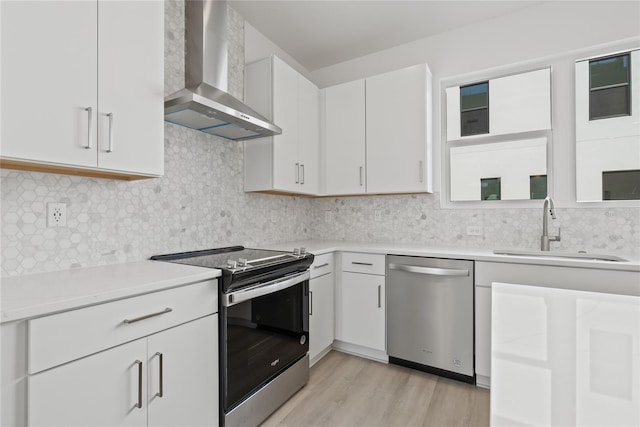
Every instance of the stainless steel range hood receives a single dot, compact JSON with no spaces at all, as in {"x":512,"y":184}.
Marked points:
{"x":204,"y":103}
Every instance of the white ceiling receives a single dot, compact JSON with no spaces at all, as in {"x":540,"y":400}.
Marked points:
{"x":318,"y":34}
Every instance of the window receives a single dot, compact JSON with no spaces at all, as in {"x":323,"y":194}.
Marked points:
{"x":621,"y":185}
{"x":609,"y":87}
{"x":538,"y":186}
{"x":490,"y":188}
{"x":474,"y":109}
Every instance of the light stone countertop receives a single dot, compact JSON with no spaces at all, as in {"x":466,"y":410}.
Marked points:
{"x":318,"y":247}
{"x":34,"y":295}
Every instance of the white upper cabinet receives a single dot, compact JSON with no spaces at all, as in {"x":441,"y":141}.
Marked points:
{"x":287,"y":162}
{"x":83,"y":87}
{"x":377,"y":134}
{"x":505,"y":105}
{"x":398,"y":131}
{"x":344,"y":139}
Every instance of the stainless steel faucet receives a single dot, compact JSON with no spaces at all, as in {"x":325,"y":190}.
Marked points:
{"x":545,"y":238}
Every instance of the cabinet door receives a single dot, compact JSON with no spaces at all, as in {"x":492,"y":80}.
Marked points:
{"x":183,"y":364}
{"x":49,"y":68}
{"x":344,"y":133}
{"x":483,"y":334}
{"x":286,"y":171}
{"x":102,"y":389}
{"x":131,"y":86}
{"x":321,"y":314}
{"x":363,"y":310}
{"x":308,"y":136}
{"x":396,"y":131}
{"x":520,"y":103}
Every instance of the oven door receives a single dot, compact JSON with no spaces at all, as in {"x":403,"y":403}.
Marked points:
{"x":264,"y":329}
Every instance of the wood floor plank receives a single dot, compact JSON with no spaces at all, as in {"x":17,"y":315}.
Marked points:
{"x":345,"y":390}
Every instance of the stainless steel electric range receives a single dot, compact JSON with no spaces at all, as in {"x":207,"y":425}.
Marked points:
{"x":264,"y":327}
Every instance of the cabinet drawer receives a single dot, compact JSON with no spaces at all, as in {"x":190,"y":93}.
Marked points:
{"x":322,"y":264}
{"x":363,"y":263}
{"x":67,"y":336}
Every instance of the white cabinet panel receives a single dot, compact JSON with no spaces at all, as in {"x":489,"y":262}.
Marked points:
{"x":483,"y":335}
{"x":131,"y":86}
{"x":396,"y":110}
{"x":321,"y":314}
{"x":44,"y":102}
{"x":287,"y":162}
{"x":83,"y":87}
{"x":102,"y":389}
{"x":362,"y":316}
{"x":189,"y":375}
{"x":344,"y":138}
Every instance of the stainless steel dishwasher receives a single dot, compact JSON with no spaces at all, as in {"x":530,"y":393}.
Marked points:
{"x":430,"y":315}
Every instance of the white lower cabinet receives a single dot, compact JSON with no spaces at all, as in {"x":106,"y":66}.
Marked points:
{"x":360,"y":305}
{"x":483,"y":336}
{"x":149,"y":360}
{"x":321,"y":311}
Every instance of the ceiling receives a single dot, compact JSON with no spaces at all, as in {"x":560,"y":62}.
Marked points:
{"x":318,"y":34}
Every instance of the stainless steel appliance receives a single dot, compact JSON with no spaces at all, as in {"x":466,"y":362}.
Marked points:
{"x":264,"y":327}
{"x":430,"y":315}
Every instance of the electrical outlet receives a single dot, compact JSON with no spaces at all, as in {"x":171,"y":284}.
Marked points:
{"x":474,"y":230}
{"x":377,"y":215}
{"x":56,"y":214}
{"x":328,"y":216}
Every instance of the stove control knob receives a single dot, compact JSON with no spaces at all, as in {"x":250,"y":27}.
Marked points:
{"x":232,"y":264}
{"x":303,"y":251}
{"x":242,"y":262}
{"x":296,"y":251}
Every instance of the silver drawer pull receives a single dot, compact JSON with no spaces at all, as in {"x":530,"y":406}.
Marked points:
{"x":321,"y":265}
{"x":379,"y":296}
{"x":310,"y":303}
{"x":161,"y":392}
{"x":110,"y":147}
{"x":139,"y":363}
{"x":362,"y":263}
{"x":89,"y":127}
{"x":137,"y":319}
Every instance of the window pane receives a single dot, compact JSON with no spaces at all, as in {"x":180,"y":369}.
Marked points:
{"x":474,"y":122}
{"x":490,"y":188}
{"x":609,"y":71}
{"x":621,"y":185}
{"x":611,"y":102}
{"x":474,"y":96}
{"x":538,"y":186}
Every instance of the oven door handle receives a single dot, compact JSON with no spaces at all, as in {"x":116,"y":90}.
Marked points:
{"x":266,"y":288}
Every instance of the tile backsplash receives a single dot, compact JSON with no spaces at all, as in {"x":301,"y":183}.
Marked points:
{"x":199,"y":203}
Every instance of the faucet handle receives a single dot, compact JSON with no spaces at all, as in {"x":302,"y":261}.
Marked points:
{"x":556,"y":238}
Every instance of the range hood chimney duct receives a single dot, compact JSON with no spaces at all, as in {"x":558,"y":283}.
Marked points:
{"x":204,"y":103}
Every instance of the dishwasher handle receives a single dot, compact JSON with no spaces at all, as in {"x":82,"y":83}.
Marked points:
{"x":429,"y":270}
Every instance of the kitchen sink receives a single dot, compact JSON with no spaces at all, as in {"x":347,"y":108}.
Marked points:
{"x":558,"y":254}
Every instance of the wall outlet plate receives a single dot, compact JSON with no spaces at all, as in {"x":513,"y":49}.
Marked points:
{"x":56,"y":214}
{"x":377,"y":215}
{"x":474,"y":230}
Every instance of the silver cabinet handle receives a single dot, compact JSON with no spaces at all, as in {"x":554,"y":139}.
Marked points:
{"x":379,"y":296}
{"x":110,"y":147}
{"x":360,"y":176}
{"x":139,"y":404}
{"x":137,"y":319}
{"x":89,"y":110}
{"x":237,"y":297}
{"x":297,"y":173}
{"x":361,"y":263}
{"x":302,"y":174}
{"x":161,"y":392}
{"x":421,"y":171}
{"x":310,"y":303}
{"x":429,"y":270}
{"x":321,"y":265}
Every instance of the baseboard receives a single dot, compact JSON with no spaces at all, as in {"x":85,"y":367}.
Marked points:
{"x":360,"y":351}
{"x":319,"y":356}
{"x":482,"y":381}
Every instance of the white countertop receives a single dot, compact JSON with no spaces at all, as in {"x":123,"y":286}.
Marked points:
{"x":318,"y":247}
{"x":35,"y":295}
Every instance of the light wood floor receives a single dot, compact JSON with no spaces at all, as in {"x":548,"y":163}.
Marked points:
{"x":345,"y":390}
